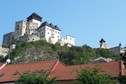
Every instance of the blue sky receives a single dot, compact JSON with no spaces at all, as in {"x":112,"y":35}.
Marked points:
{"x":86,"y":20}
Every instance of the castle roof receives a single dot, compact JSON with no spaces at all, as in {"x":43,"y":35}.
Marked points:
{"x":102,"y":40}
{"x":50,"y":25}
{"x":34,"y":16}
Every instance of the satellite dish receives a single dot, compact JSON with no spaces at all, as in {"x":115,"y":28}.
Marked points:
{"x":8,"y":61}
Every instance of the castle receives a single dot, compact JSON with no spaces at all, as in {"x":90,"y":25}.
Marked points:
{"x":34,"y":29}
{"x":117,"y":51}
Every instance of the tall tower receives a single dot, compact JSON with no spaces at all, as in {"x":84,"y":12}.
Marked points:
{"x":103,"y":44}
{"x":35,"y":18}
{"x":20,"y":29}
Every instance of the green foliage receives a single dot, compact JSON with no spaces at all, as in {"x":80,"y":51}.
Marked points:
{"x":104,"y":53}
{"x":33,"y":51}
{"x":1,"y":58}
{"x":123,"y":57}
{"x":41,"y":50}
{"x":123,"y":81}
{"x":92,"y":76}
{"x":34,"y":78}
{"x":78,"y":55}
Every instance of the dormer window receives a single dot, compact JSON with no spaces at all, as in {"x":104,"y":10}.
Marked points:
{"x":16,"y":73}
{"x":1,"y":74}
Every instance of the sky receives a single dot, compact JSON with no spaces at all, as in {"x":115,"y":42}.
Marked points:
{"x":86,"y":20}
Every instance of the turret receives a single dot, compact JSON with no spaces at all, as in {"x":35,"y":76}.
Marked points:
{"x":34,"y":18}
{"x":103,"y":44}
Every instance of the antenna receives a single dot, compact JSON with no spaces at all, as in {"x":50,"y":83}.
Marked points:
{"x":7,"y":62}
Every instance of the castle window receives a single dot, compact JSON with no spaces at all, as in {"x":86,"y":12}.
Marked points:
{"x":17,"y":27}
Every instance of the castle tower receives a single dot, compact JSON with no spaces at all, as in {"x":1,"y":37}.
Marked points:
{"x":35,"y":18}
{"x":20,"y":29}
{"x":103,"y":44}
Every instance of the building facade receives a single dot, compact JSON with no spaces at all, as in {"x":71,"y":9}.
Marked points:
{"x":51,"y":33}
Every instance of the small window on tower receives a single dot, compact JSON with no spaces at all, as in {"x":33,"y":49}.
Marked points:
{"x":17,"y":27}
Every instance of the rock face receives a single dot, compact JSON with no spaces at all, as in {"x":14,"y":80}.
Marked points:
{"x":32,"y":52}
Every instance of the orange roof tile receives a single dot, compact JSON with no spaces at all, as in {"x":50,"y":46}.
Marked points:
{"x":70,"y":72}
{"x":11,"y":69}
{"x":58,"y":69}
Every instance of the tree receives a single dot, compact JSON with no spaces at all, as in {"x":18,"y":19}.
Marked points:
{"x":34,"y":78}
{"x":123,"y":57}
{"x":104,"y":53}
{"x":92,"y":76}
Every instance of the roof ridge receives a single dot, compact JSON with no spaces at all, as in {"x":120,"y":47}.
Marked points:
{"x":54,"y":66}
{"x":32,"y":62}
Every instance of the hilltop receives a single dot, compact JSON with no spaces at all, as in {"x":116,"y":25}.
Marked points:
{"x":41,"y":50}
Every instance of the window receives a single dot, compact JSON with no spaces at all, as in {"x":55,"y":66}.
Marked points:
{"x":17,"y":27}
{"x":2,"y":74}
{"x":16,"y":73}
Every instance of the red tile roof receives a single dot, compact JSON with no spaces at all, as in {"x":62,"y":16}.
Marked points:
{"x":58,"y":69}
{"x":11,"y":69}
{"x":70,"y":72}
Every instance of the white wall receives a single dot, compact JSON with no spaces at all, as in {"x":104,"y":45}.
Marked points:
{"x":52,"y":35}
{"x":36,"y":21}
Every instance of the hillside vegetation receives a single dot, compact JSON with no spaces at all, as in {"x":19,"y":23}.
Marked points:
{"x":41,"y":50}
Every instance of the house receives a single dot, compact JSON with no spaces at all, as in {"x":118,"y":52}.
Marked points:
{"x":65,"y":74}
